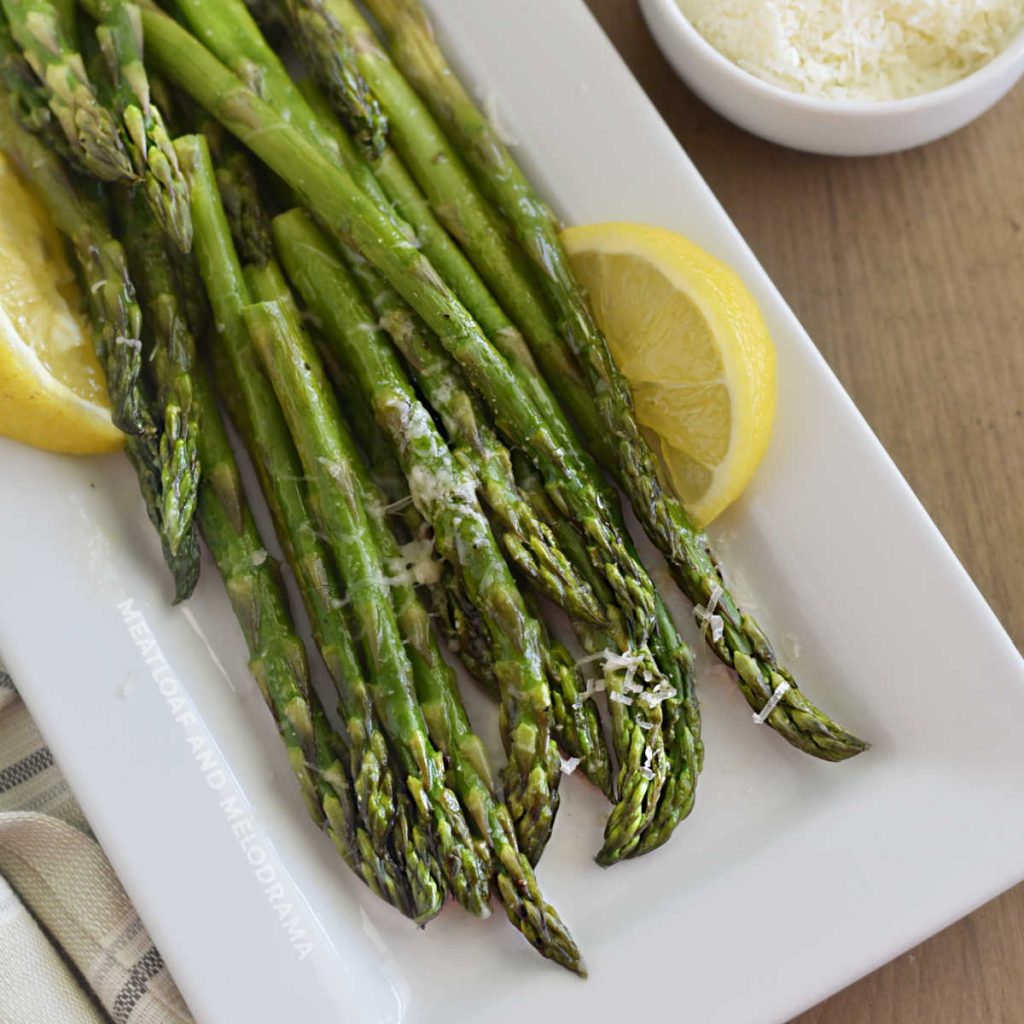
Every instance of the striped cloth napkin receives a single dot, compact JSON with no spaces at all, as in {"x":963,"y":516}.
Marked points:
{"x":72,"y":948}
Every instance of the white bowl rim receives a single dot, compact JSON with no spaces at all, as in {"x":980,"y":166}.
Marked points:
{"x":853,"y":109}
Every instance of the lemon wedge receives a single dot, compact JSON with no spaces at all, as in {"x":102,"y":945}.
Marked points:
{"x":52,"y":390}
{"x":690,"y":339}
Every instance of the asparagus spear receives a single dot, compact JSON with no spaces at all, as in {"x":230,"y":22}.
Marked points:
{"x":328,"y":458}
{"x":378,"y":836}
{"x":256,"y":413}
{"x":172,"y":357}
{"x":277,"y":657}
{"x":444,"y":493}
{"x":238,"y":41}
{"x":39,"y":29}
{"x":314,"y":27}
{"x":116,"y":320}
{"x":28,"y":98}
{"x":143,"y":451}
{"x":639,"y":699}
{"x":332,"y":193}
{"x":456,"y":201}
{"x":145,"y":135}
{"x":102,"y":260}
{"x":576,"y":723}
{"x":605,"y":408}
{"x":681,"y":728}
{"x":438,"y":694}
{"x":279,"y":660}
{"x":528,"y":541}
{"x":233,"y":36}
{"x":231,"y":33}
{"x":239,"y":190}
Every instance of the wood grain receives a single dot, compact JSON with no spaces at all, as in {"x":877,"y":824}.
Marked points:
{"x":907,"y":271}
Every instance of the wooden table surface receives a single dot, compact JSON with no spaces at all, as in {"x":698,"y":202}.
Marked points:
{"x":907,"y":271}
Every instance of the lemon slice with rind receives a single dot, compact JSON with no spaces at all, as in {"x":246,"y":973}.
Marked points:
{"x":52,"y":390}
{"x":690,"y":339}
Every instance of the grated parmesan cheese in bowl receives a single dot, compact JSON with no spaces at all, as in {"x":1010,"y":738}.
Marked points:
{"x":858,"y":49}
{"x":844,"y":77}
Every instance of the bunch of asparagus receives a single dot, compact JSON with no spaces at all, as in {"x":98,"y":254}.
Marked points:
{"x":382,"y":303}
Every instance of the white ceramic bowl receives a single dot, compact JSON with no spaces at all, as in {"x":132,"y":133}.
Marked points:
{"x":835,"y":127}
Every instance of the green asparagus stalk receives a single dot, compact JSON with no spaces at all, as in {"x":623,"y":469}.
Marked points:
{"x":333,"y":194}
{"x":459,"y":623}
{"x":111,"y":294}
{"x":28,"y":98}
{"x":528,"y":541}
{"x":256,"y":413}
{"x":277,"y":657}
{"x":172,"y":357}
{"x":443,"y":491}
{"x":580,"y":732}
{"x":639,"y":696}
{"x":314,"y":26}
{"x":328,"y":457}
{"x":39,"y":29}
{"x":384,"y":468}
{"x":445,"y":714}
{"x":278,"y":660}
{"x":144,"y":453}
{"x":117,"y":326}
{"x":681,"y":729}
{"x":335,"y":810}
{"x":403,"y":873}
{"x":145,"y":135}
{"x":310,"y":171}
{"x":456,"y":202}
{"x":233,"y":36}
{"x":252,"y":581}
{"x":605,"y":407}
{"x":231,"y":33}
{"x":239,"y":190}
{"x":576,"y":723}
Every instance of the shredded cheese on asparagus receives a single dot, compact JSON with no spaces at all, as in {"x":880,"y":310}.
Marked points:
{"x":417,"y":565}
{"x":707,"y":617}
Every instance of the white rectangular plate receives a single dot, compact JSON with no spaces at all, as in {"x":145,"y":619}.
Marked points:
{"x":792,"y":877}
